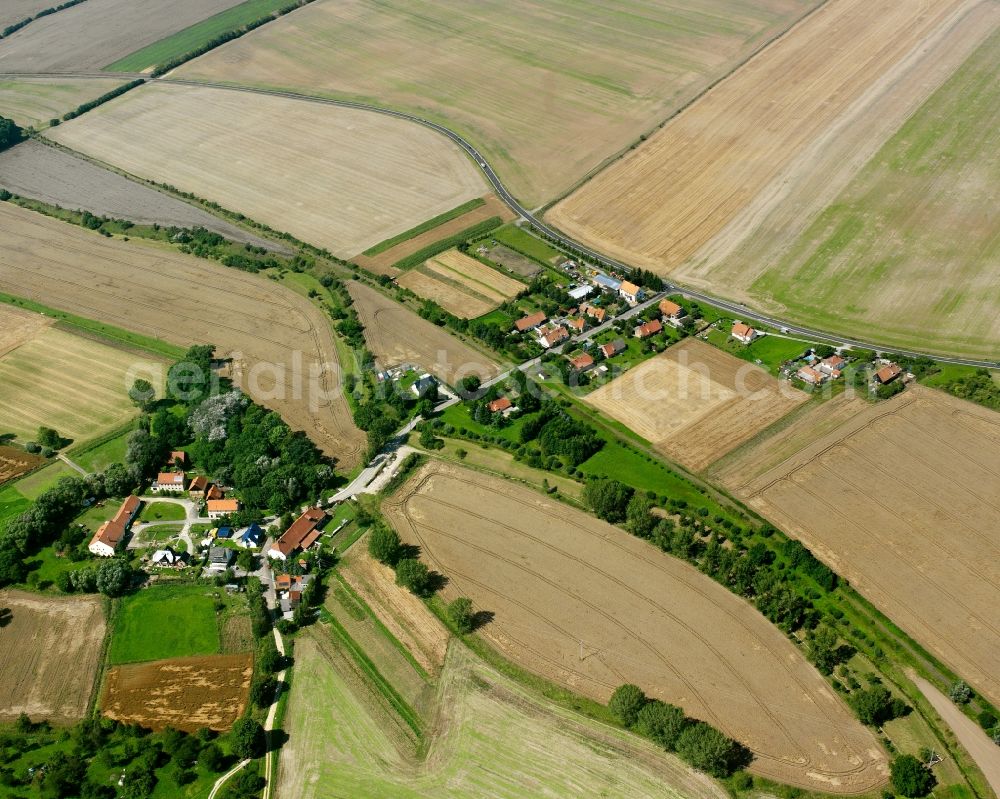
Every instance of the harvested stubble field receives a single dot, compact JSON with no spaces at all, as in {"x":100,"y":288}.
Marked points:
{"x":184,"y":693}
{"x":567,"y":85}
{"x":382,"y":264}
{"x":15,"y":462}
{"x":657,"y":206}
{"x":695,"y":403}
{"x":460,"y":284}
{"x":93,"y":34}
{"x":639,"y":615}
{"x":18,"y":326}
{"x":33,"y":101}
{"x":14,"y":11}
{"x":50,"y":656}
{"x":338,"y":746}
{"x":396,"y":335}
{"x":334,"y":177}
{"x":903,"y":240}
{"x":56,"y":177}
{"x":70,"y":383}
{"x":882,"y":498}
{"x":258,"y":323}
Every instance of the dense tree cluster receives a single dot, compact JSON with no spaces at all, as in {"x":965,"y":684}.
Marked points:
{"x":10,"y":133}
{"x":910,"y":777}
{"x":560,"y":434}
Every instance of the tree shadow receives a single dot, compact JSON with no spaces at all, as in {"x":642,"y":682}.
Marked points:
{"x":275,"y":740}
{"x":739,"y":757}
{"x":481,"y":618}
{"x":6,"y":616}
{"x":435,"y":582}
{"x":408,"y":552}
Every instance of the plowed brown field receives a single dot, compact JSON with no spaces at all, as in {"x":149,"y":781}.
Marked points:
{"x":185,"y":300}
{"x":15,"y":462}
{"x":397,"y":335}
{"x":49,"y":656}
{"x":590,"y":607}
{"x":184,"y":693}
{"x":661,"y":203}
{"x":901,"y":499}
{"x":695,"y":403}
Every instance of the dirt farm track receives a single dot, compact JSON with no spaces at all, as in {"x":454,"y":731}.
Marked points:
{"x":590,"y":607}
{"x":263,"y":327}
{"x":881,"y":498}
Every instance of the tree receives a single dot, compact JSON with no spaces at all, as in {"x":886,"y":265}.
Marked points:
{"x":470,"y":385}
{"x":49,"y":437}
{"x":461,"y":614}
{"x":639,"y":516}
{"x":12,"y":568}
{"x":246,"y":560}
{"x":248,"y":738}
{"x":114,"y":577}
{"x":262,"y":691}
{"x":384,"y":544}
{"x":910,"y":777}
{"x":661,"y":723}
{"x":10,"y":133}
{"x":212,"y":758}
{"x":707,"y":749}
{"x":609,"y":499}
{"x":823,"y":649}
{"x":142,"y":394}
{"x":118,"y":481}
{"x":245,"y":785}
{"x":626,"y":703}
{"x":414,"y":575}
{"x":875,"y":705}
{"x":960,"y":693}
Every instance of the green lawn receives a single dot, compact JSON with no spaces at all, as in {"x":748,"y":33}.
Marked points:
{"x":12,"y":502}
{"x":38,"y":482}
{"x":517,"y":239}
{"x":162,"y":512}
{"x":195,"y":36}
{"x":98,"y":456}
{"x":165,"y":622}
{"x":458,"y":416}
{"x":771,"y":351}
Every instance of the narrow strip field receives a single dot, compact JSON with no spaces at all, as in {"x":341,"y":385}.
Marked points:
{"x":901,"y":499}
{"x":32,"y":102}
{"x":281,"y":346}
{"x":590,"y":607}
{"x":460,"y":284}
{"x":334,"y":177}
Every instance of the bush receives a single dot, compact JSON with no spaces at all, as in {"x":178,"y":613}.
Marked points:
{"x":626,"y":703}
{"x":875,"y":706}
{"x":414,"y":575}
{"x":960,"y":693}
{"x":910,"y":777}
{"x":212,"y":758}
{"x":661,"y":723}
{"x":708,"y":750}
{"x":462,"y":615}
{"x":987,"y":720}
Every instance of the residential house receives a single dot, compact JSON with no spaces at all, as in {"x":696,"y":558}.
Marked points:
{"x":282,"y":582}
{"x":650,"y":328}
{"x":251,"y":537}
{"x":178,"y":459}
{"x":224,"y":533}
{"x":670,"y":310}
{"x":214,"y":492}
{"x":887,"y":374}
{"x":530,"y":322}
{"x":551,"y":336}
{"x":302,"y":534}
{"x":169,"y":483}
{"x":594,"y":312}
{"x":744,"y":333}
{"x":423,"y":384}
{"x":612,"y":348}
{"x":167,"y":558}
{"x":604,"y":281}
{"x":812,"y":376}
{"x":220,"y":558}
{"x":109,"y":535}
{"x":217,"y":508}
{"x":582,"y":362}
{"x":577,"y":325}
{"x":197,"y":487}
{"x":833,"y":365}
{"x":630,"y":292}
{"x":500,"y":405}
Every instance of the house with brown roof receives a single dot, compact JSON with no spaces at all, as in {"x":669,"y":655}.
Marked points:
{"x":551,"y":336}
{"x":302,"y":534}
{"x":178,"y":458}
{"x":197,"y":487}
{"x":582,"y":362}
{"x":744,"y":333}
{"x":530,"y":322}
{"x":109,"y":535}
{"x":500,"y":405}
{"x":671,"y":310}
{"x":811,"y":376}
{"x":169,"y":483}
{"x":833,"y":365}
{"x":577,"y":325}
{"x":887,"y":374}
{"x":217,"y":508}
{"x":213,"y":492}
{"x":612,"y":348}
{"x":595,"y":312}
{"x":650,"y":328}
{"x":630,"y":292}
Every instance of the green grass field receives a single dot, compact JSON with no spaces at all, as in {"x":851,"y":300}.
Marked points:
{"x":165,"y":622}
{"x":163,"y":512}
{"x":192,"y":38}
{"x":38,"y":482}
{"x":517,"y":239}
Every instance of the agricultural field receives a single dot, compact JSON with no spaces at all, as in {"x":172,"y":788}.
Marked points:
{"x":164,"y":622}
{"x":638,"y":615}
{"x":15,"y":462}
{"x":381,"y":262}
{"x":91,"y":35}
{"x":73,"y":384}
{"x":50,"y":655}
{"x":339,"y":747}
{"x":252,"y":320}
{"x":695,"y":403}
{"x":18,"y":326}
{"x":183,"y":693}
{"x":397,"y":335}
{"x":662,"y":203}
{"x":334,"y":177}
{"x":14,"y":11}
{"x":880,"y":498}
{"x":460,"y":284}
{"x":56,"y":177}
{"x":906,"y":246}
{"x":546,"y":91}
{"x":33,"y":101}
